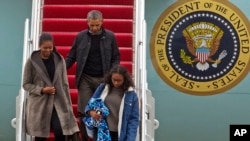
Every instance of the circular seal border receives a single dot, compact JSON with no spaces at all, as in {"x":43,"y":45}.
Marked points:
{"x":199,"y":6}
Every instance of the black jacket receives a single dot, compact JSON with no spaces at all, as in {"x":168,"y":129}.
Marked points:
{"x":80,"y":49}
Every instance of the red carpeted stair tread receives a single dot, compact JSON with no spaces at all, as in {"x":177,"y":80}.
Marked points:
{"x":102,"y":2}
{"x":63,"y":50}
{"x":66,"y":18}
{"x":80,"y":11}
{"x":72,"y":70}
{"x":126,"y":54}
{"x":76,"y":25}
{"x":128,"y":65}
{"x":71,"y":79}
{"x":74,"y":106}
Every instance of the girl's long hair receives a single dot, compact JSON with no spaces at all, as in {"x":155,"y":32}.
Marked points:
{"x":128,"y":82}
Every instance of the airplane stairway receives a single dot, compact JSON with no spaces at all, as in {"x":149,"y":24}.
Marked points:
{"x":65,"y":18}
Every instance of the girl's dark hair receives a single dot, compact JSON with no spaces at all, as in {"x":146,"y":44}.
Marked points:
{"x":128,"y":82}
{"x":45,"y":36}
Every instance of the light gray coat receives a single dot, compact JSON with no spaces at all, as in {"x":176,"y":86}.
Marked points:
{"x":39,"y":106}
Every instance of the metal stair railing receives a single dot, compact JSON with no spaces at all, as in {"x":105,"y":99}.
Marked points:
{"x":148,"y":123}
{"x":30,"y":44}
{"x":19,"y":121}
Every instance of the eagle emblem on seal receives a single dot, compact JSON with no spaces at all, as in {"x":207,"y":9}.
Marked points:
{"x":203,"y":41}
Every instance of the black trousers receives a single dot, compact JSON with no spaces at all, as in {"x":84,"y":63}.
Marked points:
{"x":55,"y":124}
{"x":113,"y":135}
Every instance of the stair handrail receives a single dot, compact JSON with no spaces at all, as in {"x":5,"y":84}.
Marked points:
{"x":139,"y":16}
{"x":35,"y":22}
{"x":18,"y":122}
{"x":148,"y":123}
{"x":30,"y":44}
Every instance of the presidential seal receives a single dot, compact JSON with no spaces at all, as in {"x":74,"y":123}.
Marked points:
{"x":201,"y":47}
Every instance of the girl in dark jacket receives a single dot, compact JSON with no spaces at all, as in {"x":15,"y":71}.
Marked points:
{"x":118,"y":94}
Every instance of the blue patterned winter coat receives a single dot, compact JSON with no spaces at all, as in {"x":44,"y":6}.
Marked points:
{"x":98,"y":105}
{"x":128,"y":115}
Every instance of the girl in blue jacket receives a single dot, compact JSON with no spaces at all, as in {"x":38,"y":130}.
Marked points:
{"x":118,"y":94}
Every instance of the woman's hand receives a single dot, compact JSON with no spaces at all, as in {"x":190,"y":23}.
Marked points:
{"x":95,"y":115}
{"x":49,"y":90}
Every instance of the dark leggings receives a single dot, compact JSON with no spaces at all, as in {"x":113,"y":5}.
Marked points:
{"x":83,"y":131}
{"x":55,"y":124}
{"x":113,"y":135}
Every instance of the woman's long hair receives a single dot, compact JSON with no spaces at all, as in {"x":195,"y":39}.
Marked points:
{"x":128,"y":82}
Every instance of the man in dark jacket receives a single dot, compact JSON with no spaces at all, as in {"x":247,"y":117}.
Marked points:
{"x":95,"y":52}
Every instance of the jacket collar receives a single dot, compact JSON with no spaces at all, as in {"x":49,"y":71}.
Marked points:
{"x":41,"y":68}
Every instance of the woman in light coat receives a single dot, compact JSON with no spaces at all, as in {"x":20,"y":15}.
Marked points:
{"x":48,"y":103}
{"x":119,"y":96}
